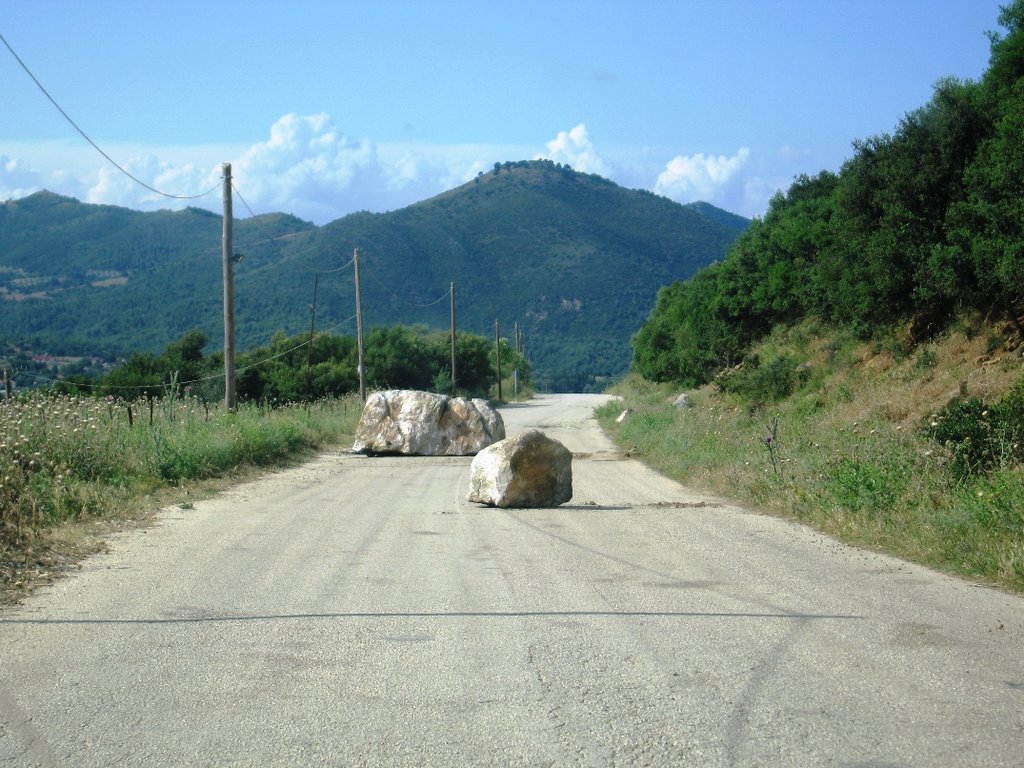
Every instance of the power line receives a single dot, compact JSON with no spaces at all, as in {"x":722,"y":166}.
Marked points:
{"x":444,"y":296}
{"x":85,"y":136}
{"x":251,"y":214}
{"x":134,"y":178}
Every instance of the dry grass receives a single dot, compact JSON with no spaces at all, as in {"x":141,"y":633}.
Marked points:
{"x":73,"y":469}
{"x":850,"y":454}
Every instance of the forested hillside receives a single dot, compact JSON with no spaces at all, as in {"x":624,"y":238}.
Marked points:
{"x":573,"y":259}
{"x":917,"y":225}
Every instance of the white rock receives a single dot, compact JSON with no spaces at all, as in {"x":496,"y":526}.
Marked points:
{"x":682,"y":402}
{"x":528,"y":470}
{"x":410,"y":422}
{"x":624,"y":415}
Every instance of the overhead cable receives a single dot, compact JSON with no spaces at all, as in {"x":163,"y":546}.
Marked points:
{"x":93,"y":143}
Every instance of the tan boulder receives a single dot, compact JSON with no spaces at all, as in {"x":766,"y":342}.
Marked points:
{"x":528,"y":470}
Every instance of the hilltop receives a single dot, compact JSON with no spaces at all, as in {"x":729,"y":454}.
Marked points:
{"x":573,"y":258}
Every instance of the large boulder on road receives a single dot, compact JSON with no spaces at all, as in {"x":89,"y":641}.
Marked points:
{"x":528,"y":470}
{"x":414,"y":423}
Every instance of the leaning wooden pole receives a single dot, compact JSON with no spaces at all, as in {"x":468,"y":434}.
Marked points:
{"x":359,"y":330}
{"x":229,"y":294}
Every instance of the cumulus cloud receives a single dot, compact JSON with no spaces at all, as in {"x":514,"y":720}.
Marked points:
{"x":306,"y":166}
{"x":309,"y":167}
{"x":575,"y":148}
{"x":702,"y":177}
{"x":18,"y":180}
{"x":113,"y":187}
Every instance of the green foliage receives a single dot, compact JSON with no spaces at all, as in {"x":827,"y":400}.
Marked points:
{"x":979,"y":436}
{"x":770,"y":275}
{"x":865,"y":485}
{"x":303,"y":369}
{"x":764,"y":383}
{"x":917,"y":224}
{"x":573,"y":258}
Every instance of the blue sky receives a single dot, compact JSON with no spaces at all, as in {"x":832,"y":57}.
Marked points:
{"x":324,"y":108}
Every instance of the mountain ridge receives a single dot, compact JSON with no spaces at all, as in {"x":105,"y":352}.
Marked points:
{"x":573,"y":258}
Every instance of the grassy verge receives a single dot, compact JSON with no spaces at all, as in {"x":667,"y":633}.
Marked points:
{"x":847,"y":443}
{"x":73,"y":466}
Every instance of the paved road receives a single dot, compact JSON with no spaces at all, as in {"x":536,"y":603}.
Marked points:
{"x":359,"y":612}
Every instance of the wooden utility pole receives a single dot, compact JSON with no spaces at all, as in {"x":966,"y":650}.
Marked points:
{"x":359,"y":330}
{"x":229,"y":295}
{"x":497,"y":354}
{"x":451,"y":292}
{"x":312,"y":328}
{"x":515,"y":373}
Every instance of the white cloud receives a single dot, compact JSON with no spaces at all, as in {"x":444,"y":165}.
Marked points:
{"x":18,"y":179}
{"x":702,"y":177}
{"x":113,"y":187}
{"x":309,"y":167}
{"x":575,"y":148}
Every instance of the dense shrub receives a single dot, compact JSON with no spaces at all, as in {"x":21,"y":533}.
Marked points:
{"x":917,"y":224}
{"x":763,"y":383}
{"x":981,"y":436}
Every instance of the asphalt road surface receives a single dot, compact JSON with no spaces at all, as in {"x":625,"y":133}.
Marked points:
{"x":360,"y":612}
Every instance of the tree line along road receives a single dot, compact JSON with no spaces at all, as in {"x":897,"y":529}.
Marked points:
{"x":359,"y":611}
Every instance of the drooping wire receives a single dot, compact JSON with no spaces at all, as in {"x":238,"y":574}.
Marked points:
{"x":444,"y":296}
{"x":95,"y":146}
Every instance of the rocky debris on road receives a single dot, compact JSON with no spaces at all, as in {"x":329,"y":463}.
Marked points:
{"x":528,"y":470}
{"x":414,"y":423}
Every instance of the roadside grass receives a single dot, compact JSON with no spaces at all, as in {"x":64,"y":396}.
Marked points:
{"x":851,"y":449}
{"x":72,"y":467}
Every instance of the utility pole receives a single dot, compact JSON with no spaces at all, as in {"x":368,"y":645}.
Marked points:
{"x":312,"y":327}
{"x":497,"y":355}
{"x":359,"y":330}
{"x":515,"y":373}
{"x":451,"y":291}
{"x":229,"y":295}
